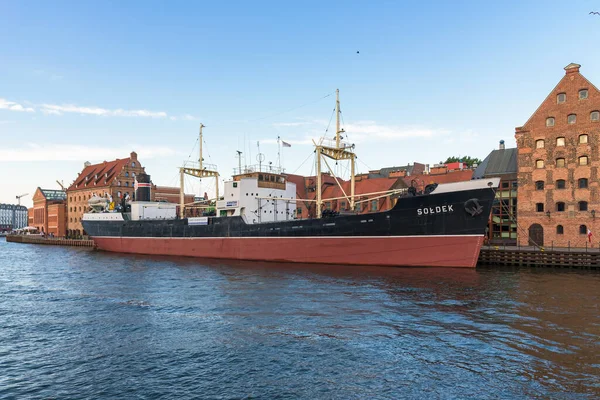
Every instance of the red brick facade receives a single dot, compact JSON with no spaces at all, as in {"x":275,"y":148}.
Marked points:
{"x":115,"y":178}
{"x":558,"y":160}
{"x":48,"y":213}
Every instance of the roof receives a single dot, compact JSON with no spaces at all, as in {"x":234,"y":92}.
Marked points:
{"x":99,"y":175}
{"x":498,"y":162}
{"x":449,"y":177}
{"x":415,"y":168}
{"x":572,"y":66}
{"x":51,"y":194}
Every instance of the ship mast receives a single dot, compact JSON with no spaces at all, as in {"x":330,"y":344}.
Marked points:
{"x":341,"y":151}
{"x":203,"y":171}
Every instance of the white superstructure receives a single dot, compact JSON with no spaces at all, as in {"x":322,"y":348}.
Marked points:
{"x":259,"y":197}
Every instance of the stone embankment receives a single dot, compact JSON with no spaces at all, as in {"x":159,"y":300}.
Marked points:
{"x":34,"y":239}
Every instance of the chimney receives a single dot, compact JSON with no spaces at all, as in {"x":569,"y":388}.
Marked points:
{"x":572,"y":68}
{"x":133,"y":155}
{"x":86,"y":164}
{"x":502,"y":145}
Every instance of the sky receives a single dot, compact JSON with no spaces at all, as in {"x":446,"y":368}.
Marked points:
{"x":419,"y":81}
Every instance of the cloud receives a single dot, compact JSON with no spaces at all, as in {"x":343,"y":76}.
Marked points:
{"x":289,"y":124}
{"x":362,"y":130}
{"x":56,"y":152}
{"x":54,"y":109}
{"x":306,"y":141}
{"x":6,"y":122}
{"x":12,"y":106}
{"x":186,"y":117}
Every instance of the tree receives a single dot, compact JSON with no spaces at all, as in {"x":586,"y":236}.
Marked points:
{"x":466,"y":159}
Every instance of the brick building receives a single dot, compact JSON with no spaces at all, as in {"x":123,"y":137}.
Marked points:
{"x":48,"y":213}
{"x":170,"y":194}
{"x":558,"y":160}
{"x":377,"y":181}
{"x":115,"y":178}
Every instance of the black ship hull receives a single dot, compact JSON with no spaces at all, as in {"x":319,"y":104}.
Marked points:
{"x":439,"y":229}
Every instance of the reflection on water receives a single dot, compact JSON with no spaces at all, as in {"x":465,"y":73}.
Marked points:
{"x":85,"y":324}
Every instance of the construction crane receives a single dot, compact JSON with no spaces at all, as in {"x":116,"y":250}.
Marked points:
{"x":61,"y":185}
{"x":19,"y":197}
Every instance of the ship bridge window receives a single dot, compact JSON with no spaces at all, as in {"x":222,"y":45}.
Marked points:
{"x":260,"y":177}
{"x":272,"y":178}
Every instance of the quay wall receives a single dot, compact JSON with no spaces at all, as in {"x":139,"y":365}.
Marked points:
{"x":30,"y":239}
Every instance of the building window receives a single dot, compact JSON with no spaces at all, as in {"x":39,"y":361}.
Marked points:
{"x":582,"y":183}
{"x":539,"y":163}
{"x":539,"y":185}
{"x":539,"y":207}
{"x":70,"y":219}
{"x":133,"y":174}
{"x":550,"y":121}
{"x":561,"y":98}
{"x":374,"y":205}
{"x":583,"y":160}
{"x":560,"y":230}
{"x":560,"y":141}
{"x":342,"y":205}
{"x":583,"y":94}
{"x":595,"y":116}
{"x":582,"y":230}
{"x":127,"y":184}
{"x":119,"y":183}
{"x":583,"y":139}
{"x":299,"y":211}
{"x":133,"y":164}
{"x":126,"y":174}
{"x":571,"y":118}
{"x":118,"y":194}
{"x":539,"y":144}
{"x":560,"y":184}
{"x":560,"y":206}
{"x":560,"y":162}
{"x":328,"y":205}
{"x":583,"y":206}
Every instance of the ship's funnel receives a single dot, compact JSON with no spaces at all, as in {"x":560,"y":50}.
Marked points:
{"x":142,"y":191}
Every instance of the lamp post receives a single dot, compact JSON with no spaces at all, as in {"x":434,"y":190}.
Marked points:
{"x":548,"y":214}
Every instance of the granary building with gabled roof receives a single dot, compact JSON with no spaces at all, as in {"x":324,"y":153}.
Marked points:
{"x":110,"y":178}
{"x":558,"y":160}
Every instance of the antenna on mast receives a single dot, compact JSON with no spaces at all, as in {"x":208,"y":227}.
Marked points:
{"x":200,"y":159}
{"x":239,"y":154}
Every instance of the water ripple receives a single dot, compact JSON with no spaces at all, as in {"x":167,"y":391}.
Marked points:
{"x":84,"y":324}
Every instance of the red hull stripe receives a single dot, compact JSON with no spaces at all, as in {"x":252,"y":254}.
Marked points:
{"x":425,"y":251}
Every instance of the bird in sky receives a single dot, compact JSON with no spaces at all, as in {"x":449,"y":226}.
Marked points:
{"x":595,"y":12}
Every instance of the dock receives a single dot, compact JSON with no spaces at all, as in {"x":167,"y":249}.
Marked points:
{"x":34,"y":239}
{"x":515,"y":256}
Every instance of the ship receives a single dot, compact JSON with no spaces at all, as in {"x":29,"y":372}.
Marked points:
{"x":434,"y":225}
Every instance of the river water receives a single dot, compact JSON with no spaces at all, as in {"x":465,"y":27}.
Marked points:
{"x":76,"y":323}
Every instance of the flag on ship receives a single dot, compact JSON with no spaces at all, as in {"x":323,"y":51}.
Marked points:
{"x":285,"y":144}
